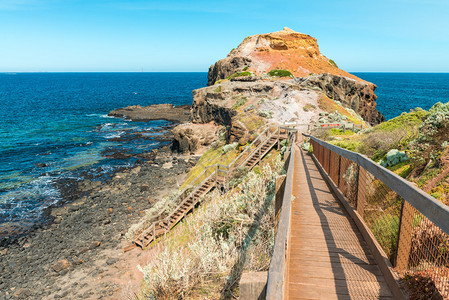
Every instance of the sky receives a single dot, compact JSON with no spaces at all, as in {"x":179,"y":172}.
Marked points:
{"x":175,"y":35}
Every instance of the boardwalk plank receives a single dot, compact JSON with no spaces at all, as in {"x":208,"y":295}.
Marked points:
{"x":327,"y":256}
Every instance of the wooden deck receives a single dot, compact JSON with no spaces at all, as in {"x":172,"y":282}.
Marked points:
{"x":327,"y":257}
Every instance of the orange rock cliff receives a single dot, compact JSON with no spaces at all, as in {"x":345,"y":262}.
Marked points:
{"x":286,"y":49}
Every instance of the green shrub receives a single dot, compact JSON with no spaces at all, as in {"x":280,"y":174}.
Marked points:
{"x":268,"y":114}
{"x":393,"y":158}
{"x":217,"y":89}
{"x":433,"y":133}
{"x":308,"y":107}
{"x":250,"y":107}
{"x":306,"y":146}
{"x":239,"y":74}
{"x":229,"y":147}
{"x":280,"y":73}
{"x":239,"y":102}
{"x":245,"y":68}
{"x":332,"y":62}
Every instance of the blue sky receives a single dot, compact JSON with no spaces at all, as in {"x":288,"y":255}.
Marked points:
{"x":108,"y":35}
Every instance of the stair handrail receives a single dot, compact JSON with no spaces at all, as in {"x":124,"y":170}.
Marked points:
{"x":191,"y":194}
{"x":248,"y":147}
{"x":261,"y":144}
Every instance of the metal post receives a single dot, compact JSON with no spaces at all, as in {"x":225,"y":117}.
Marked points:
{"x":356,"y":185}
{"x":404,"y":236}
{"x":361,"y":191}
{"x":339,"y":168}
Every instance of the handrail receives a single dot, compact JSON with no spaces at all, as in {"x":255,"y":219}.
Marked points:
{"x":247,"y":147}
{"x":261,"y":145}
{"x":277,"y":270}
{"x":191,"y":194}
{"x":431,"y":208}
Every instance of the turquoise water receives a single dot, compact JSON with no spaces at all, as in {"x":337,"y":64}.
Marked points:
{"x":55,"y":125}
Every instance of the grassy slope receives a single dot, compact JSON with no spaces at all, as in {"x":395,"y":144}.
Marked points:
{"x":185,"y":237}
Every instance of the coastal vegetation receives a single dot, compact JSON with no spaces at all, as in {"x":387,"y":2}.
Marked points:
{"x":413,"y":145}
{"x":332,"y":62}
{"x":280,"y":73}
{"x":229,"y":234}
{"x":239,"y":74}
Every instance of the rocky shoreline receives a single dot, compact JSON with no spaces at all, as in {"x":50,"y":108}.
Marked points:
{"x":79,"y":253}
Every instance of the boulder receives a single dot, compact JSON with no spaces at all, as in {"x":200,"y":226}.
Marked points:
{"x":193,"y":138}
{"x":60,"y":265}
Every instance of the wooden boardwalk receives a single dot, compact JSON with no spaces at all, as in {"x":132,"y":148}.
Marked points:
{"x":327,"y":257}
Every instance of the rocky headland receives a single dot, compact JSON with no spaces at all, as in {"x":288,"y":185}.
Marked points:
{"x":276,"y":78}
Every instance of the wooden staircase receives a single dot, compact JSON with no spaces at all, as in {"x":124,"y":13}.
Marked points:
{"x":189,"y":202}
{"x":260,"y":152}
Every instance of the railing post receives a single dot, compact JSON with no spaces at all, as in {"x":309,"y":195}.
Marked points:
{"x":279,"y":138}
{"x":339,"y":169}
{"x":361,"y":191}
{"x":404,"y":236}
{"x":154,"y":231}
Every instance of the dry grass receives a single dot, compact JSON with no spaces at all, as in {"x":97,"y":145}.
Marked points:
{"x":229,"y":233}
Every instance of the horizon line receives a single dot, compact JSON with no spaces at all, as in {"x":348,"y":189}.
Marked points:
{"x":33,"y":72}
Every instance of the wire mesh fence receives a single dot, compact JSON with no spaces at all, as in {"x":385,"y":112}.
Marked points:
{"x":416,"y":247}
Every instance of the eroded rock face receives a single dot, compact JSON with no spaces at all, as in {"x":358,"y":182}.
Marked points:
{"x":285,"y":98}
{"x":193,"y":138}
{"x":226,"y":67}
{"x":286,"y":49}
{"x":357,"y":95}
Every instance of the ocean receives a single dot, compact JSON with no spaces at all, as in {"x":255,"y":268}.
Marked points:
{"x":55,"y":125}
{"x":400,"y":92}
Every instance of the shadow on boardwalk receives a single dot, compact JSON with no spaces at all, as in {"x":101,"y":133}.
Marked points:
{"x":327,"y":256}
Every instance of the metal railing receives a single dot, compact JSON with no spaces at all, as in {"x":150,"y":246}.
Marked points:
{"x":278,"y":267}
{"x":411,"y":227}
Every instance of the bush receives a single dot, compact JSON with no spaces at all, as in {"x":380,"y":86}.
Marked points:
{"x":217,"y":89}
{"x":239,"y":103}
{"x":332,"y":62}
{"x":306,"y":146}
{"x":250,"y":107}
{"x":280,"y":73}
{"x":268,"y":114}
{"x":239,"y":74}
{"x":229,"y":147}
{"x":308,"y":107}
{"x":245,"y":68}
{"x":433,"y":133}
{"x":393,"y":158}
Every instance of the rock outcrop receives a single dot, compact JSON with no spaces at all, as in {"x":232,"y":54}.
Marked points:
{"x":357,"y":95}
{"x":286,"y":49}
{"x":281,"y":99}
{"x":193,"y":138}
{"x":167,"y":112}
